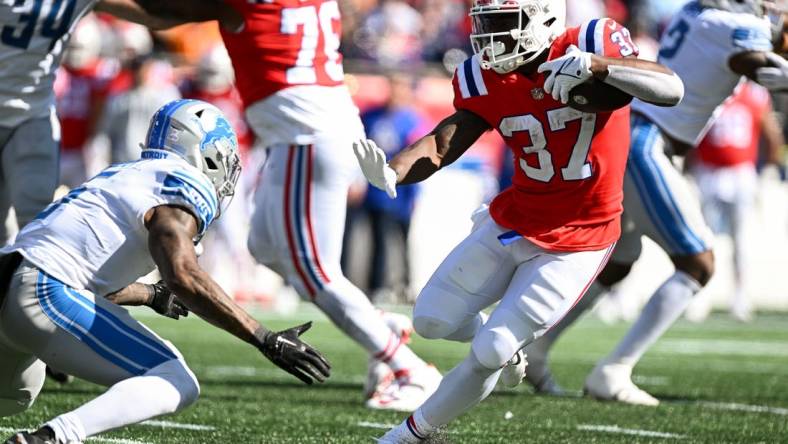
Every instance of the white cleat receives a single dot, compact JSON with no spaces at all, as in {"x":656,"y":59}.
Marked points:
{"x":613,"y":382}
{"x":379,"y":374}
{"x":514,"y":370}
{"x":399,"y":435}
{"x":409,"y":392}
{"x":379,"y":378}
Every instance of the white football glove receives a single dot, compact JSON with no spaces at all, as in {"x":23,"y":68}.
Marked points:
{"x":774,"y":78}
{"x":566,"y":72}
{"x":374,"y":166}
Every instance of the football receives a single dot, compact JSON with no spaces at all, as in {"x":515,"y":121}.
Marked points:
{"x":595,"y":96}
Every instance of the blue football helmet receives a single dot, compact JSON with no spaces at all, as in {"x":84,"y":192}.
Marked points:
{"x":199,"y":133}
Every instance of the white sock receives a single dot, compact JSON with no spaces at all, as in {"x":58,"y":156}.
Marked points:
{"x":353,"y":313}
{"x":665,"y":306}
{"x":164,"y":389}
{"x":461,"y":389}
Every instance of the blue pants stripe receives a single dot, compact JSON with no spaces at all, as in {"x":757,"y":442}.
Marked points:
{"x":655,"y":193}
{"x":104,"y":333}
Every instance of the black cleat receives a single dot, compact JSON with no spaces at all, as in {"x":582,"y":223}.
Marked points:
{"x":59,"y":377}
{"x":44,"y":435}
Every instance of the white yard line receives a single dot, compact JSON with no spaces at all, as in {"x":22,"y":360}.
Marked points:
{"x":745,"y":407}
{"x":376,"y":425}
{"x":178,"y":425}
{"x":634,"y":432}
{"x":725,"y":347}
{"x":97,"y":439}
{"x":650,"y":380}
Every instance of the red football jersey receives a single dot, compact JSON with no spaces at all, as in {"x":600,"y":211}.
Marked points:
{"x":567,"y":189}
{"x":735,"y":135}
{"x":284,"y":43}
{"x":80,"y":95}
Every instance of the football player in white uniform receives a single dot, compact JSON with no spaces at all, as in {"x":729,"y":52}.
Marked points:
{"x":98,"y":240}
{"x":33,"y":36}
{"x":711,"y":45}
{"x":300,"y":109}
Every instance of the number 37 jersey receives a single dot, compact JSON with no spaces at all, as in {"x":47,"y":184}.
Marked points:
{"x":566,"y":193}
{"x":33,"y":36}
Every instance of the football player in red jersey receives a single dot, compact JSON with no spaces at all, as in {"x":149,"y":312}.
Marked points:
{"x":545,"y":239}
{"x":289,"y":74}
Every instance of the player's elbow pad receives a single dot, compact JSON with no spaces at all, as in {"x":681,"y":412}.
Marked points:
{"x":650,"y":86}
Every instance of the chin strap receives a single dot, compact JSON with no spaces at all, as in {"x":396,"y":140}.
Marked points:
{"x":650,"y":86}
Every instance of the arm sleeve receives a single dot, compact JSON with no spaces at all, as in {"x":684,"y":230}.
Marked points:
{"x":191,"y":191}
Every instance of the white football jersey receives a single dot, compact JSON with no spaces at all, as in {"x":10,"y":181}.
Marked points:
{"x":33,"y":36}
{"x":698,"y":45}
{"x":95,"y":237}
{"x":301,"y":115}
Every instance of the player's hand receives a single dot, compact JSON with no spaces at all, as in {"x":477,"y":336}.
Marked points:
{"x":774,"y":78}
{"x":566,"y":72}
{"x":164,"y":302}
{"x":294,"y":356}
{"x":374,"y":166}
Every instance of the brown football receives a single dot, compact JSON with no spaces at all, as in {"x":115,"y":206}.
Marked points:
{"x":595,"y":96}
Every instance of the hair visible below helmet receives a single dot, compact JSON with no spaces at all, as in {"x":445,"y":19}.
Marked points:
{"x":507,"y":34}
{"x":199,"y":133}
{"x":755,"y":7}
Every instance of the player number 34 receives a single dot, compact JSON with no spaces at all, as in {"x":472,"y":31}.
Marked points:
{"x":578,"y":167}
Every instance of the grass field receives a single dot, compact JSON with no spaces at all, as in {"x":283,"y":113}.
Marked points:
{"x":720,"y":382}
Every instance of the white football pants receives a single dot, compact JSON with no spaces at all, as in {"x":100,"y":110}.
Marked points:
{"x":297,"y":229}
{"x":43,"y":321}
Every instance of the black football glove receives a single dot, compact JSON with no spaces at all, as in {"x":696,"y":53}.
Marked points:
{"x":292,"y":355}
{"x":164,"y":302}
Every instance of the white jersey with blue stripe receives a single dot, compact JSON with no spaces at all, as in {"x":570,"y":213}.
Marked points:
{"x":95,"y":237}
{"x":33,"y":36}
{"x":698,"y":45}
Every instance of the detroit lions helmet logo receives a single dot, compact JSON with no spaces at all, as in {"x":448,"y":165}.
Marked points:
{"x":221,"y":131}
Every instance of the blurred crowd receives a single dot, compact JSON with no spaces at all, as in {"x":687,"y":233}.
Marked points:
{"x":399,"y":56}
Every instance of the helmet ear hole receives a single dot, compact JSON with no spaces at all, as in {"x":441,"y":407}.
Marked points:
{"x":211,"y":164}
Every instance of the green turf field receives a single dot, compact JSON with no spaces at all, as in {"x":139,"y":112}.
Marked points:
{"x":720,"y":382}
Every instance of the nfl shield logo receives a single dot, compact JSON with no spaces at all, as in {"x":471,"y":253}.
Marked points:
{"x":537,"y":93}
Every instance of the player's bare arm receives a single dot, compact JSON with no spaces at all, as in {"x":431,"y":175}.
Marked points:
{"x":645,"y":80}
{"x":420,"y":160}
{"x":766,"y":68}
{"x":440,"y":148}
{"x":131,"y":11}
{"x":156,"y":296}
{"x":194,"y":11}
{"x":171,"y":231}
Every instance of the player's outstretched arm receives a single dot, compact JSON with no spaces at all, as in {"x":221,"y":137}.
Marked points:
{"x":450,"y":139}
{"x":171,"y":230}
{"x":131,"y":11}
{"x":648,"y":81}
{"x":766,"y":68}
{"x":186,"y":11}
{"x":445,"y":144}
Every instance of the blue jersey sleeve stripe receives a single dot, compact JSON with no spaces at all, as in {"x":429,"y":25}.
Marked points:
{"x":590,"y":36}
{"x":469,"y":79}
{"x":203,"y":186}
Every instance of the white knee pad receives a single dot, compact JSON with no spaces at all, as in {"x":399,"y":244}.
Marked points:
{"x":503,"y":335}
{"x":439,"y":312}
{"x":11,"y":407}
{"x":178,"y":374}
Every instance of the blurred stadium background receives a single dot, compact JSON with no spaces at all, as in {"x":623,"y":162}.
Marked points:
{"x":399,"y":57}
